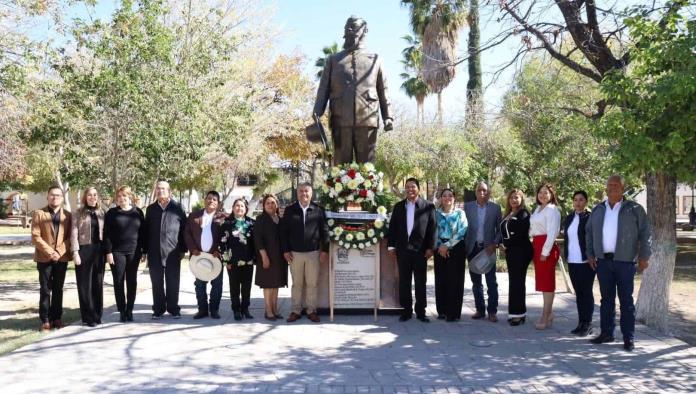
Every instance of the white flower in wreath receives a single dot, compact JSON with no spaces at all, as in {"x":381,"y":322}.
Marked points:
{"x":374,"y":240}
{"x":338,"y":231}
{"x":359,"y":178}
{"x":368,"y":184}
{"x":338,"y":187}
{"x":335,"y":171}
{"x":340,"y":243}
{"x":368,"y":167}
{"x":331,"y":233}
{"x":345,"y":179}
{"x":241,"y":263}
{"x":381,"y":210}
{"x":360,"y":236}
{"x":359,"y":200}
{"x":349,"y":237}
{"x":330,"y":222}
{"x":361,"y":245}
{"x":380,"y":187}
{"x":354,"y":166}
{"x":341,"y":200}
{"x":370,"y":195}
{"x":370,"y":233}
{"x":324,"y":188}
{"x":332,"y":193}
{"x":379,"y":224}
{"x":350,"y":197}
{"x":352,"y":184}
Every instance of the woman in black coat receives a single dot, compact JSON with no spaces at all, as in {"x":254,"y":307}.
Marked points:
{"x":581,"y":274}
{"x":514,"y":229}
{"x":237,"y":251}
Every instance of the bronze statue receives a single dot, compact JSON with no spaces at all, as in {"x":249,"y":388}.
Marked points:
{"x":354,"y":84}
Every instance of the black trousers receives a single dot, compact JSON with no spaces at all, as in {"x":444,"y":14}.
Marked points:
{"x":165,"y":299}
{"x":449,"y":282}
{"x":90,"y":282}
{"x":125,"y":269}
{"x":582,"y":277}
{"x":51,"y":280}
{"x":240,"y":282}
{"x":518,"y":259}
{"x":410,"y":264}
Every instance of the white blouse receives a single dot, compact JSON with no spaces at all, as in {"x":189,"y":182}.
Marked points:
{"x":546,"y":222}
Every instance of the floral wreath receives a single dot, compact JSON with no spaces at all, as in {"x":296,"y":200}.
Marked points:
{"x":353,"y":184}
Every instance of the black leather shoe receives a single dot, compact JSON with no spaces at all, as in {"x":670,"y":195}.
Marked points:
{"x":602,"y":338}
{"x":405,"y":317}
{"x":629,"y":345}
{"x":516,"y":321}
{"x":423,"y":319}
{"x":98,"y":321}
{"x":584,"y":330}
{"x":450,"y":319}
{"x":200,"y":315}
{"x":237,"y":315}
{"x":214,"y":315}
{"x":576,"y":330}
{"x":246,"y":314}
{"x":441,"y":317}
{"x":122,"y":317}
{"x":129,"y":316}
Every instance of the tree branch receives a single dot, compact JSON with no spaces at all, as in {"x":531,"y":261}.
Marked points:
{"x":575,"y":66}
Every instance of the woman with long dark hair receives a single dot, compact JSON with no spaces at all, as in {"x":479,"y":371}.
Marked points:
{"x":272,"y":272}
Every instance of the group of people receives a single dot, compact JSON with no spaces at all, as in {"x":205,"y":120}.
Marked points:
{"x":611,"y":242}
{"x":606,"y":242}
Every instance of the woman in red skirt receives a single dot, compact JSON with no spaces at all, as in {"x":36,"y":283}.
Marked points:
{"x":544,"y":225}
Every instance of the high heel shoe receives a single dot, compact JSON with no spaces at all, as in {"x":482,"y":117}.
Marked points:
{"x":543,"y":324}
{"x":516,"y":321}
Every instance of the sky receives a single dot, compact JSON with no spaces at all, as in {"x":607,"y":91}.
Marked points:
{"x":311,"y":25}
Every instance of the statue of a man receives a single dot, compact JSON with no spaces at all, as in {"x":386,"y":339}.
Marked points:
{"x":354,"y":84}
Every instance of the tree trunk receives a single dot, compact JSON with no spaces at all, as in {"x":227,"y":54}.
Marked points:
{"x":439,"y":107}
{"x":652,"y":307}
{"x":65,"y":187}
{"x":190,"y":191}
{"x":474,"y":87}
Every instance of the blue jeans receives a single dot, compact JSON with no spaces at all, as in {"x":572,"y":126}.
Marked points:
{"x":477,"y":287}
{"x":215,"y":294}
{"x":617,"y":276}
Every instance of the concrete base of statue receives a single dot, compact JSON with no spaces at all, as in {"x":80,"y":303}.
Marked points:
{"x":359,"y":282}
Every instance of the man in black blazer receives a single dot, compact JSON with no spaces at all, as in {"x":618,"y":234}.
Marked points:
{"x":411,"y":241}
{"x":304,"y":240}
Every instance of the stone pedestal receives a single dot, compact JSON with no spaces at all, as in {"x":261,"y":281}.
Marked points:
{"x":352,"y":294}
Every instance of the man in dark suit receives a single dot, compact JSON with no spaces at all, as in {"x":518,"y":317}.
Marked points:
{"x":304,"y":240}
{"x":411,"y":241}
{"x":202,"y":234}
{"x":484,"y":233}
{"x":165,"y":221}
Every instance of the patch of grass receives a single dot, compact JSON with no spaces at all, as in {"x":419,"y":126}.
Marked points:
{"x":21,"y":271}
{"x":23,"y":328}
{"x":14,"y":230}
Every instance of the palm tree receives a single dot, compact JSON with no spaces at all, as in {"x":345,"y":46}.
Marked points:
{"x":413,"y":84}
{"x":474,"y":87}
{"x":321,"y":61}
{"x":437,"y":24}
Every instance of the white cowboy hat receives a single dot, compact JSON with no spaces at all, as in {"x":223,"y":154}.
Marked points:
{"x":205,"y":266}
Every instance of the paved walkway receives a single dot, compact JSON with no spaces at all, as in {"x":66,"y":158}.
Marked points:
{"x":353,"y":354}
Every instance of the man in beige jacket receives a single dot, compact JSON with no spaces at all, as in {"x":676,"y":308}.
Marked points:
{"x":50,"y":234}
